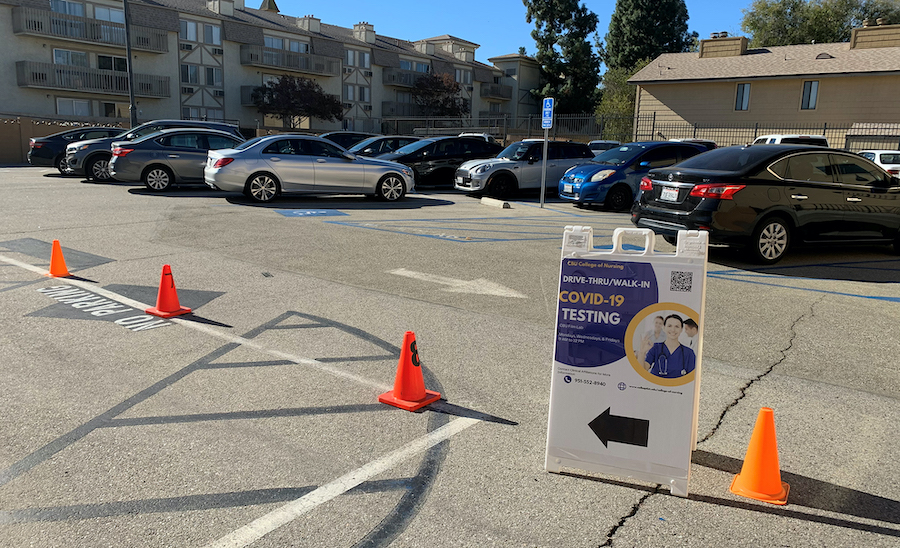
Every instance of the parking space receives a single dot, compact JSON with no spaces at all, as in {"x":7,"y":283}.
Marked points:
{"x":254,"y":420}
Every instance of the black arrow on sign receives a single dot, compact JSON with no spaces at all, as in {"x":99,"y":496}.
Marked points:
{"x":620,"y":429}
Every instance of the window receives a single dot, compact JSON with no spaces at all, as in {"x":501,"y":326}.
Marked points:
{"x":806,"y":167}
{"x":190,"y":74}
{"x":494,"y":107}
{"x":109,"y":14}
{"x":109,"y":62}
{"x":215,"y":114}
{"x":404,"y":97}
{"x":73,"y":107}
{"x":217,"y":142}
{"x":72,"y":58}
{"x":658,"y":157}
{"x":364,"y":59}
{"x":810,"y":93}
{"x":423,"y":67}
{"x":67,"y":8}
{"x":298,"y":47}
{"x":348,"y":92}
{"x":212,"y":34}
{"x":188,"y":31}
{"x":853,"y":171}
{"x":350,"y":59}
{"x":405,"y":65}
{"x":742,"y":101}
{"x":464,"y":76}
{"x":510,"y":72}
{"x":282,"y":146}
{"x":318,"y":148}
{"x":190,"y":113}
{"x":113,"y":110}
{"x":274,"y":43}
{"x":365,"y":94}
{"x":214,"y":76}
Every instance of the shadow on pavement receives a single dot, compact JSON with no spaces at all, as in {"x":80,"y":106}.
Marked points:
{"x":876,"y":264}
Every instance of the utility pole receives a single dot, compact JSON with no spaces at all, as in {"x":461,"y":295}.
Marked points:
{"x":132,"y":109}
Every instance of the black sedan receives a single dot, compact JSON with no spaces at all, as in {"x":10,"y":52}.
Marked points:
{"x":435,"y":160}
{"x":381,"y":144}
{"x":51,"y":149}
{"x":770,"y":197}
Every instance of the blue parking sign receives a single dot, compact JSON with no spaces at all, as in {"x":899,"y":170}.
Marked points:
{"x":547,"y":113}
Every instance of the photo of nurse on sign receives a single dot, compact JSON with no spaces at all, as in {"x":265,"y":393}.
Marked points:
{"x":670,"y":358}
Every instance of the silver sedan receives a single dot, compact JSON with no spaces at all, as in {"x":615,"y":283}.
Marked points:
{"x":265,"y":167}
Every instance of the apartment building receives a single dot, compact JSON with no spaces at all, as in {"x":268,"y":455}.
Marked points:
{"x":201,"y":59}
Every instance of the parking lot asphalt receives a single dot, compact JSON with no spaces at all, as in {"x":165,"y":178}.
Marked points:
{"x":254,"y":420}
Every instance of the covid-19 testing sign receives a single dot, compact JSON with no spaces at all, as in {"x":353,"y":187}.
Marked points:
{"x":625,"y":386}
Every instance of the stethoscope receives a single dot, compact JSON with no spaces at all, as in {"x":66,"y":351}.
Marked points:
{"x":664,"y":370}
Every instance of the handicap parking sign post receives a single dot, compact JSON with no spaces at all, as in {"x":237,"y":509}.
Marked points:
{"x":546,"y":124}
{"x":625,"y":385}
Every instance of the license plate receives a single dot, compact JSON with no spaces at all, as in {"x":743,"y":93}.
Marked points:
{"x":669,"y":194}
{"x":567,"y":188}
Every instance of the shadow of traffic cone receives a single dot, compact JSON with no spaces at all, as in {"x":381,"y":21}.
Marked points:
{"x":760,"y":476}
{"x":167,"y":304}
{"x":409,"y":387}
{"x":57,"y":262}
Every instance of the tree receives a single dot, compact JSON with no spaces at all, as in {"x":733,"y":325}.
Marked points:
{"x":438,"y":95}
{"x":642,"y":29}
{"x":292,"y":98}
{"x":786,"y":22}
{"x":616,"y":109}
{"x":570,"y":65}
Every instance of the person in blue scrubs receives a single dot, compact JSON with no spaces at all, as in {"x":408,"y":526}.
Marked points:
{"x":669,"y":359}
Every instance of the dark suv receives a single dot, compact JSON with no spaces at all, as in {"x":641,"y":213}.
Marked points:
{"x":435,"y":160}
{"x":91,"y":158}
{"x":51,"y":149}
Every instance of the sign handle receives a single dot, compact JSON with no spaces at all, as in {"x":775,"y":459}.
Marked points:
{"x":649,"y":239}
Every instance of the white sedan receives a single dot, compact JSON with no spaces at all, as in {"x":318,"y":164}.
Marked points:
{"x":889,"y":160}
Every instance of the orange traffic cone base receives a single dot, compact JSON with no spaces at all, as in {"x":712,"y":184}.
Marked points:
{"x":162,"y":314}
{"x":57,"y":262}
{"x":778,"y":498}
{"x":390,"y":399}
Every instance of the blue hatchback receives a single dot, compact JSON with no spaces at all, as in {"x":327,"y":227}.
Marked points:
{"x":613,"y":177}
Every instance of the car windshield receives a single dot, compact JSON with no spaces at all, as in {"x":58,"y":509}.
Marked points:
{"x":515,"y":151}
{"x":728,"y":159}
{"x":890,"y":158}
{"x":619,"y":156}
{"x":363,"y":144}
{"x":412,"y":147}
{"x":250,"y":143}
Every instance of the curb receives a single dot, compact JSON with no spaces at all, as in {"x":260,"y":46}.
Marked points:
{"x":494,"y":202}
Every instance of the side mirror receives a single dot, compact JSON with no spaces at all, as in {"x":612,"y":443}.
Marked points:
{"x":644,"y":164}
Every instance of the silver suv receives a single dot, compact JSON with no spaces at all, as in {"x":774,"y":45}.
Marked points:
{"x":519,"y":166}
{"x":91,"y":158}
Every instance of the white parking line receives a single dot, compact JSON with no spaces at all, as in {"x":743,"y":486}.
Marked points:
{"x":264,"y":525}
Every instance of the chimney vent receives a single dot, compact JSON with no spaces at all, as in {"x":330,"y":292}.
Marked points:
{"x":310,"y":23}
{"x":723,"y":35}
{"x":713,"y":35}
{"x":879,"y":21}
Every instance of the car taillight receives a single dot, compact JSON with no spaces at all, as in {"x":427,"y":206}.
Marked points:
{"x":119,"y":151}
{"x":719,"y":192}
{"x":36,"y":145}
{"x":222,"y":162}
{"x":894,"y":172}
{"x":646,"y":183}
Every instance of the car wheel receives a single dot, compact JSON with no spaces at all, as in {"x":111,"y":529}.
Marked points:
{"x":390,"y":188}
{"x":98,"y":169}
{"x":262,"y":187}
{"x":618,"y":198}
{"x":502,"y":186}
{"x":671,"y":240}
{"x":61,"y":164}
{"x":158,"y":178}
{"x":770,"y":240}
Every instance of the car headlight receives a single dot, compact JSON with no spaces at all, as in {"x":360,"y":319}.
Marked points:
{"x":600,"y":175}
{"x":483,"y":168}
{"x":406,"y":171}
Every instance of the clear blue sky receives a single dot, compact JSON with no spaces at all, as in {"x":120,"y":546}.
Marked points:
{"x":497,"y":25}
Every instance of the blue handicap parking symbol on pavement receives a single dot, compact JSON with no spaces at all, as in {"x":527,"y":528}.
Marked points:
{"x":310,"y":212}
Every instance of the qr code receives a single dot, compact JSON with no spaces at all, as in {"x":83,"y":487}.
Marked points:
{"x":681,"y":281}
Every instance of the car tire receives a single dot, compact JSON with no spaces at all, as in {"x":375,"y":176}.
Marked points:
{"x":618,"y":198}
{"x":62,"y":165}
{"x":262,"y":187}
{"x":98,"y":169}
{"x":390,"y":188}
{"x":158,"y":178}
{"x":770,"y":240}
{"x":502,"y":186}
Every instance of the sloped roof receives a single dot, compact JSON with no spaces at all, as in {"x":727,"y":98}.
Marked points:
{"x":773,"y":62}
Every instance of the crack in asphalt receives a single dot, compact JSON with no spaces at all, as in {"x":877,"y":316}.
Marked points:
{"x":634,"y":511}
{"x":754,"y":380}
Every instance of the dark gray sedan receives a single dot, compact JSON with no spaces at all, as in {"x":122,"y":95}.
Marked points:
{"x":168,"y":157}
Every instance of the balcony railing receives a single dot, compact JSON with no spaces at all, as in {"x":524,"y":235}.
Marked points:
{"x":393,"y":108}
{"x":496,"y":91}
{"x":82,"y":29}
{"x":400,"y":77}
{"x":30,"y":74}
{"x":308,"y":63}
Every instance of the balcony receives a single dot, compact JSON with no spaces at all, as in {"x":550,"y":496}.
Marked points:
{"x":400,"y":77}
{"x":30,"y":74}
{"x":393,"y":108}
{"x":307,"y":63}
{"x":496,"y":91}
{"x":40,"y":22}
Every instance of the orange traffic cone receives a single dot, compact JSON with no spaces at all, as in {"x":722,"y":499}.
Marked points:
{"x":167,"y":304}
{"x":760,"y":476}
{"x":409,"y":387}
{"x":57,"y":262}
